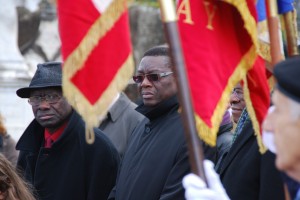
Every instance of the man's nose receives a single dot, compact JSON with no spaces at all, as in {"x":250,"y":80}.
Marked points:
{"x":44,"y":103}
{"x":145,"y":82}
{"x":234,"y":99}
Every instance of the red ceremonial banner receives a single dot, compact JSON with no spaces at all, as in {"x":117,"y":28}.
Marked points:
{"x":257,"y":96}
{"x":97,"y":55}
{"x":219,"y":40}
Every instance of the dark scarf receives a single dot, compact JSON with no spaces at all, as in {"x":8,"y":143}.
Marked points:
{"x":152,"y":112}
{"x":240,"y":125}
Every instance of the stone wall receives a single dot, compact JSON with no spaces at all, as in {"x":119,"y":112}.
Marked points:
{"x":146,"y":29}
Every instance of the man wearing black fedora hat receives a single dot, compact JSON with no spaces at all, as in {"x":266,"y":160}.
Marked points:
{"x":54,"y":156}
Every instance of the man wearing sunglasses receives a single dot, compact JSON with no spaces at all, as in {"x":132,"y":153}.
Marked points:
{"x":156,"y":158}
{"x":54,"y":156}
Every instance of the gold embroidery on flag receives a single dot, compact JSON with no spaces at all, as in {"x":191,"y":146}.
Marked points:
{"x":185,"y":9}
{"x":210,"y":13}
{"x":252,"y":115}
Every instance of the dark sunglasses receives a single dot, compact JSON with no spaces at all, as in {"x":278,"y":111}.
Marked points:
{"x":150,"y":77}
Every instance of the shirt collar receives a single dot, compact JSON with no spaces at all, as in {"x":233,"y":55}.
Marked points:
{"x":54,"y":136}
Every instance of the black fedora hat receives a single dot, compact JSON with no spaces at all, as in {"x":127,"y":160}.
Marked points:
{"x":48,"y":74}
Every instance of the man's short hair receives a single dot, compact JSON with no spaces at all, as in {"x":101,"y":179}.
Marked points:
{"x":162,"y":50}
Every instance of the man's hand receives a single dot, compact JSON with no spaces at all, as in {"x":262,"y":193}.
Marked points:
{"x":196,"y":189}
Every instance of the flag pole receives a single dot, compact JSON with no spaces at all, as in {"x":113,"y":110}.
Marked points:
{"x":291,"y":33}
{"x":171,"y":31}
{"x":273,"y":26}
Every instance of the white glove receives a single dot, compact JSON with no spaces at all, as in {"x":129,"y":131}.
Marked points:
{"x":196,"y":189}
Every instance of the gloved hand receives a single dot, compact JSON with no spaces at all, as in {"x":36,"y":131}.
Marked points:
{"x":196,"y":189}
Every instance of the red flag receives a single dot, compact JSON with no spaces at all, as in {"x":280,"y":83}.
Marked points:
{"x":219,"y":41}
{"x":258,"y":102}
{"x":97,"y":55}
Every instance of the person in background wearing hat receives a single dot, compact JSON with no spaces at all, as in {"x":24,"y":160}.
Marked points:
{"x":284,"y":119}
{"x":12,"y":186}
{"x":54,"y":156}
{"x":245,"y":173}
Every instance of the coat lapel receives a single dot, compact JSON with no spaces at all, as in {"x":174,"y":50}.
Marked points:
{"x":246,"y":134}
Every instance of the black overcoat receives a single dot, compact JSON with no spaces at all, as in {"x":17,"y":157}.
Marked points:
{"x":249,"y":175}
{"x":71,"y":168}
{"x":156,"y":159}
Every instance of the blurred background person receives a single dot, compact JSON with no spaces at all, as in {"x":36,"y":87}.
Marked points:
{"x":120,"y":121}
{"x":284,"y":122}
{"x":245,"y":173}
{"x":7,"y":144}
{"x":224,"y":140}
{"x":12,"y":187}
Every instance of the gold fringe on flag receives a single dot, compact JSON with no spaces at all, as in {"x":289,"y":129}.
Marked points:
{"x":251,"y":112}
{"x":209,"y":134}
{"x":92,"y":114}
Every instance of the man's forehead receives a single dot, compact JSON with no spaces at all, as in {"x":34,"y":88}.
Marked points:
{"x":279,"y":99}
{"x":154,"y":63}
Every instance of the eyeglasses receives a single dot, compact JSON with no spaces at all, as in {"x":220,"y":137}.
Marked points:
{"x":50,"y":98}
{"x":150,"y":77}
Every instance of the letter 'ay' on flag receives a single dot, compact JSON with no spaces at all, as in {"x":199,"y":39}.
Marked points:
{"x":219,"y":41}
{"x":97,"y":55}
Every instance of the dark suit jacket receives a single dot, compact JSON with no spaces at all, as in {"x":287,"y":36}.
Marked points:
{"x":249,"y":175}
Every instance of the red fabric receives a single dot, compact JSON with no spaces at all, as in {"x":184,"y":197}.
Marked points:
{"x":259,"y":90}
{"x":105,"y":59}
{"x":211,"y":56}
{"x":52,"y":137}
{"x":74,"y":22}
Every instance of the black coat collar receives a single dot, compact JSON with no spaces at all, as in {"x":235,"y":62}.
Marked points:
{"x":153,"y":112}
{"x":33,"y":137}
{"x":246,"y":134}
